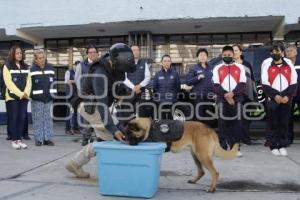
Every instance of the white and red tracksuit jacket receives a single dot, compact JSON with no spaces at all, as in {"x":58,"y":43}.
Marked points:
{"x":278,"y":79}
{"x":229,"y":78}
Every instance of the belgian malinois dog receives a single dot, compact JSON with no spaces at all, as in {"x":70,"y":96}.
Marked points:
{"x":204,"y":143}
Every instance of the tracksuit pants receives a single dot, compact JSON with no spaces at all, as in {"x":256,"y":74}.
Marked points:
{"x":279,"y":115}
{"x":230,"y":124}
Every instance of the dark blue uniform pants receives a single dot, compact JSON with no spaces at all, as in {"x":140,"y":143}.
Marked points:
{"x":25,"y":131}
{"x":291,"y":122}
{"x":16,"y":113}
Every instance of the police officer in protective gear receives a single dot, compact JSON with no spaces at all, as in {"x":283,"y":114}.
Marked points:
{"x":109,"y":69}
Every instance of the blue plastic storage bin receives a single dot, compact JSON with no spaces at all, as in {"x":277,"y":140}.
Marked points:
{"x":125,"y":170}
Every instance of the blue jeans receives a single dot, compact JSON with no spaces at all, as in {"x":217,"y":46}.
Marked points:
{"x":71,"y":124}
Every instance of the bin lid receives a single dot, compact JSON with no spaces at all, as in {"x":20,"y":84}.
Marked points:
{"x":118,"y":145}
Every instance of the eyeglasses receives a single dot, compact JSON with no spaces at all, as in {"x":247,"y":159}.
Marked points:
{"x":92,"y":52}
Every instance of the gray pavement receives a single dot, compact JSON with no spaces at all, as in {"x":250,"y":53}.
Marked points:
{"x":38,"y":173}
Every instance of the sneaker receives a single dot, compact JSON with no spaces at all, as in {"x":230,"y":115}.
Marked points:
{"x":77,"y":170}
{"x":69,"y":133}
{"x":239,"y":154}
{"x":76,"y":132}
{"x":283,"y":151}
{"x":276,"y":152}
{"x":15,"y":145}
{"x":22,"y":145}
{"x":49,"y":143}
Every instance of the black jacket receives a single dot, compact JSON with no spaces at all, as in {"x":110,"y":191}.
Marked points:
{"x":101,"y":88}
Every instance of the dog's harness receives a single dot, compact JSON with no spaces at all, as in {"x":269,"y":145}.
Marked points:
{"x":165,"y":131}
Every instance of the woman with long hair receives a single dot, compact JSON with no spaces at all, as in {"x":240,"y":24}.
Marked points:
{"x":18,"y":86}
{"x":250,"y":92}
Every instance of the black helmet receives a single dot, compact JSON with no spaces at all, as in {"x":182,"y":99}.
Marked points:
{"x":122,"y":58}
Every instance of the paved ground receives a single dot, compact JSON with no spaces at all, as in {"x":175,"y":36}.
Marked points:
{"x":38,"y":173}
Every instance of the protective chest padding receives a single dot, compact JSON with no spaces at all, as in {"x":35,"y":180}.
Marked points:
{"x":165,"y":131}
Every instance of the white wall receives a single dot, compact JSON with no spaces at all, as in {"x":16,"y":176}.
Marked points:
{"x":29,"y":13}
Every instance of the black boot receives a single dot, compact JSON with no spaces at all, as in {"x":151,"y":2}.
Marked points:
{"x":38,"y":143}
{"x":48,"y":143}
{"x":26,"y":137}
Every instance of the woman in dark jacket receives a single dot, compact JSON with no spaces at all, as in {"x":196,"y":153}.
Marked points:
{"x":250,"y":92}
{"x":42,"y":76}
{"x":18,"y":86}
{"x":200,"y":77}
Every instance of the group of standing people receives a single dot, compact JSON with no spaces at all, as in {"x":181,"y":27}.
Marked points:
{"x":230,"y":84}
{"x":22,"y":84}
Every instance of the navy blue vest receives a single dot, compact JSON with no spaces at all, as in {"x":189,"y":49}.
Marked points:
{"x":85,"y":67}
{"x":168,"y":85}
{"x":205,"y":86}
{"x":72,"y":74}
{"x":41,"y":82}
{"x":19,"y":77}
{"x":139,"y":75}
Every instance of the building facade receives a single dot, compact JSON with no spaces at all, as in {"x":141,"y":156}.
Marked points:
{"x":175,"y":27}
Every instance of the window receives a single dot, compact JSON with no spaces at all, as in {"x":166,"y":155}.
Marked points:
{"x":219,"y":39}
{"x":118,"y":40}
{"x":234,"y":38}
{"x":78,"y":42}
{"x":189,"y":39}
{"x":249,"y":38}
{"x":204,"y":39}
{"x":175,"y":39}
{"x":104,"y":41}
{"x":91,"y":41}
{"x":264,"y":37}
{"x":63,"y":43}
{"x":159,"y":40}
{"x":51,"y":44}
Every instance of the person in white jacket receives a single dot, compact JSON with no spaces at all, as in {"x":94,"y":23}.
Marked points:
{"x":279,"y":81}
{"x":229,"y":79}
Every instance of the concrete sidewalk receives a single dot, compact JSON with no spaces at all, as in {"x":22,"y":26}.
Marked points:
{"x":38,"y":173}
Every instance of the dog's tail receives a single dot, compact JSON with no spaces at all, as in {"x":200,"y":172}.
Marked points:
{"x":219,"y":151}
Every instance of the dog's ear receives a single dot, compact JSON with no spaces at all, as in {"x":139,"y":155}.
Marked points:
{"x":128,"y":121}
